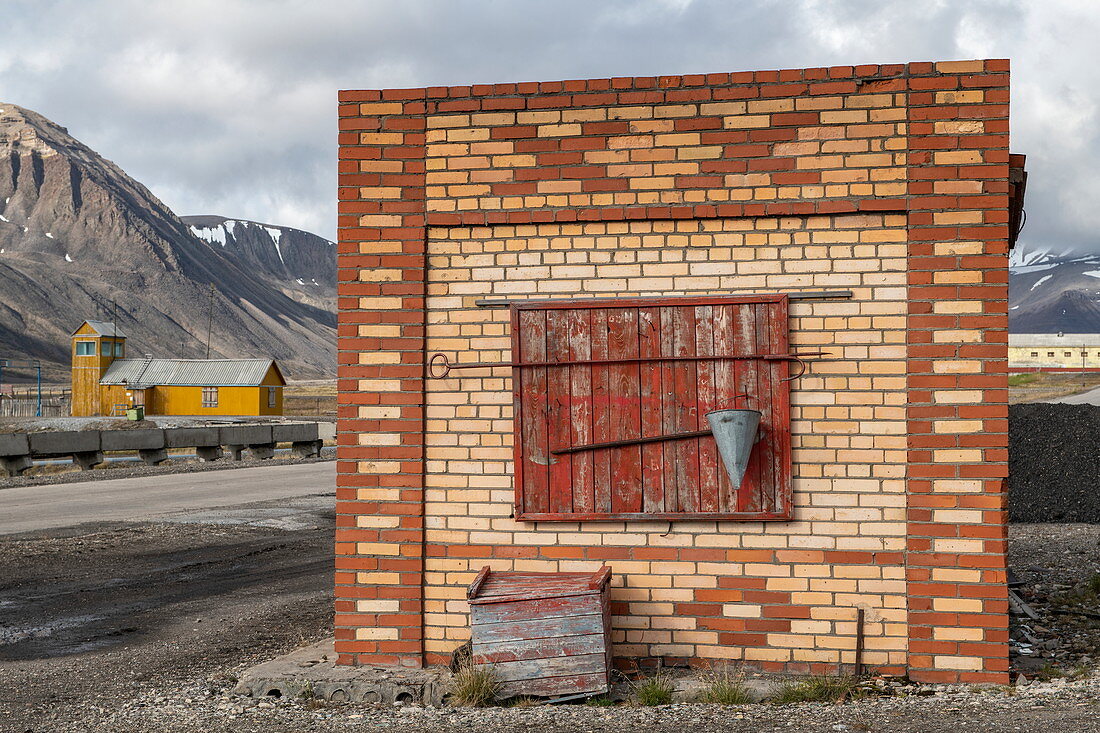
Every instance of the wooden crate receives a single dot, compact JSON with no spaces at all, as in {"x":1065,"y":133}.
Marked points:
{"x":545,"y":634}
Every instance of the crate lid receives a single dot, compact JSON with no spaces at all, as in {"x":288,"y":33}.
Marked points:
{"x":499,"y":587}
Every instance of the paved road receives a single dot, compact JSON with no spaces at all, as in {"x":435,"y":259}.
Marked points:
{"x":160,"y":498}
{"x":1092,"y":397}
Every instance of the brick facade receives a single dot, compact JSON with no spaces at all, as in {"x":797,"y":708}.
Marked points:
{"x":890,"y":182}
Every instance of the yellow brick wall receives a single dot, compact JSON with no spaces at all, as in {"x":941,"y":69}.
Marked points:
{"x":845,"y":548}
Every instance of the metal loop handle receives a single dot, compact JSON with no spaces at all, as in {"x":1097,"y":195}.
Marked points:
{"x":446,"y":366}
{"x":801,"y":370}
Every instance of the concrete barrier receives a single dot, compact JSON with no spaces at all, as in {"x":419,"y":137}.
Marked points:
{"x":53,"y":445}
{"x":152,"y":439}
{"x":86,"y":447}
{"x":294,"y":433}
{"x":245,"y":434}
{"x":191,"y":438}
{"x":14,"y":444}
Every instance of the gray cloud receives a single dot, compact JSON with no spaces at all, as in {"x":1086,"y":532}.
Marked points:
{"x":229,"y":106}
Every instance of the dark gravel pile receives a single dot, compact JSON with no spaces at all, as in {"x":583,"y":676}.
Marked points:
{"x":1054,"y":463}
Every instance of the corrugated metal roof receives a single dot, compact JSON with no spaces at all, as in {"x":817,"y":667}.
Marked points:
{"x":1089,"y":340}
{"x":104,"y":328}
{"x":142,"y":373}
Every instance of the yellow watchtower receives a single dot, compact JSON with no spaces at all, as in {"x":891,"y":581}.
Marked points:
{"x":96,"y":344}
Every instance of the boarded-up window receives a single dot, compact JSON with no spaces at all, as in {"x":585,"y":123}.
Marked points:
{"x":209,"y":396}
{"x":561,"y":403}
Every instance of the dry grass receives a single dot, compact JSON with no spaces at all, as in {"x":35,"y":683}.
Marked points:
{"x":725,"y":687}
{"x":311,"y":398}
{"x":475,"y":687}
{"x":814,"y":689}
{"x":655,"y":690}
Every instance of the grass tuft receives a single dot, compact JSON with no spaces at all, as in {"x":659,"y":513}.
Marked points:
{"x":724,"y":688}
{"x":600,"y":701}
{"x":655,"y":690}
{"x":1016,"y":380}
{"x":475,"y":687}
{"x":814,"y":689}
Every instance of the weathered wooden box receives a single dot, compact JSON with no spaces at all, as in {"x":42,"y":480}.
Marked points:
{"x":545,"y":634}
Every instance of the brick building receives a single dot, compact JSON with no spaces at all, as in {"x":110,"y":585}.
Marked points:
{"x":889,"y":182}
{"x":1054,"y":352}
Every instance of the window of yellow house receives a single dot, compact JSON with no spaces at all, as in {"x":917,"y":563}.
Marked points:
{"x":1067,"y":353}
{"x":1034,"y":353}
{"x":85,"y":348}
{"x":270,"y":396}
{"x":118,"y":349}
{"x":209,"y":396}
{"x":1050,"y":353}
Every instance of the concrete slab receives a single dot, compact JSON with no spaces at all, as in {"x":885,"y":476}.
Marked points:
{"x":245,"y":434}
{"x":14,"y":444}
{"x":191,"y":437}
{"x":294,"y":433}
{"x":146,"y":439}
{"x":312,"y":670}
{"x":64,"y":443}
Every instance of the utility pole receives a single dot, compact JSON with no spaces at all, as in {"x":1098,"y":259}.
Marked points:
{"x":210,"y":320}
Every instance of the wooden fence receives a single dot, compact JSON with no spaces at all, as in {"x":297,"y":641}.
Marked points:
{"x":24,"y":403}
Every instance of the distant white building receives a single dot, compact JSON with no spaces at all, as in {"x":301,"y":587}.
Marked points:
{"x":1053,"y":351}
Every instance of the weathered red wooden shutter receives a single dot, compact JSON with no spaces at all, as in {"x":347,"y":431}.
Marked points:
{"x":560,"y":406}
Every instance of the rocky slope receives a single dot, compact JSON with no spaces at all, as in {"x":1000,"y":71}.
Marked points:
{"x":81,"y":239}
{"x":1052,"y":291}
{"x":300,"y":264}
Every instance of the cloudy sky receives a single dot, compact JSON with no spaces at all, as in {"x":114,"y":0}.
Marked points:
{"x":229,"y":106}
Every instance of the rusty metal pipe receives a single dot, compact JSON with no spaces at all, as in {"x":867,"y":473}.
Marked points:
{"x":859,"y":644}
{"x":440,"y":358}
{"x":631,"y":441}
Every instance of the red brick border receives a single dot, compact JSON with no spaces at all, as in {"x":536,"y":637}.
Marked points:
{"x":958,"y":416}
{"x":957,"y":210}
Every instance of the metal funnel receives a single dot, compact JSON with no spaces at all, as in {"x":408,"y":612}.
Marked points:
{"x":735,"y":433}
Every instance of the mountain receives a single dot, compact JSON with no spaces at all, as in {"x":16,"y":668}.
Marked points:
{"x":81,"y":239}
{"x":1051,"y":291}
{"x":300,"y":264}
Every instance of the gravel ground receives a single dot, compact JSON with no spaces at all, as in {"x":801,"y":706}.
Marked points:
{"x":172,"y":465}
{"x":194,"y":605}
{"x":94,"y":622}
{"x":1053,"y":462}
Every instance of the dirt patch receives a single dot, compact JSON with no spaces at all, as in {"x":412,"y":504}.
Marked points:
{"x":92,"y":620}
{"x":1054,"y":463}
{"x":310,"y":398}
{"x":1059,"y":566}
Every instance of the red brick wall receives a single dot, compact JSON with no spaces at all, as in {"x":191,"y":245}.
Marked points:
{"x":924,"y":141}
{"x":958,"y":371}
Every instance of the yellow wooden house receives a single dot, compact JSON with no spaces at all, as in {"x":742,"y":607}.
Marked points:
{"x":106,"y":382}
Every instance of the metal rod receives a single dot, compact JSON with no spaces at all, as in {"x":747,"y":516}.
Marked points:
{"x":791,"y":295}
{"x":631,"y":441}
{"x":448,"y":366}
{"x":859,"y":643}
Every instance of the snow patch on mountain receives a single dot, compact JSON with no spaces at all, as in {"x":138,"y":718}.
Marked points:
{"x":210,"y":235}
{"x":1021,"y":256}
{"x":1041,"y":280}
